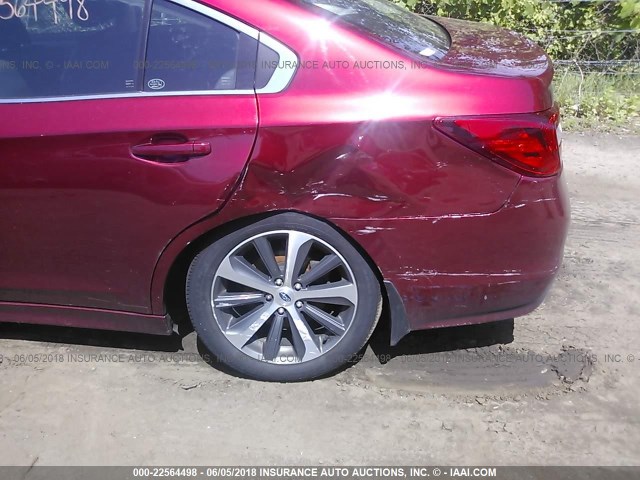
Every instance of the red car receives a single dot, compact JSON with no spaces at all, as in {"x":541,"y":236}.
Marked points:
{"x":288,"y":168}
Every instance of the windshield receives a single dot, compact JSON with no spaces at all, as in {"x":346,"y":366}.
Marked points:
{"x":391,"y":24}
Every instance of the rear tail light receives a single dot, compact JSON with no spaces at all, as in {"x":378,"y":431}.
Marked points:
{"x":528,"y":144}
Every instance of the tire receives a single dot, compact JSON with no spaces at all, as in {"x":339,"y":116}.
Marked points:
{"x":271,"y":319}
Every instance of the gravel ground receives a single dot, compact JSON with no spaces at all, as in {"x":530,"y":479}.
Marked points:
{"x":557,"y":387}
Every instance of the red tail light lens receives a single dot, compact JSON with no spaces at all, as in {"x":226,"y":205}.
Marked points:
{"x":528,"y":144}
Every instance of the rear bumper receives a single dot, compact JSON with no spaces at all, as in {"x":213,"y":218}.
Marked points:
{"x":459,"y":270}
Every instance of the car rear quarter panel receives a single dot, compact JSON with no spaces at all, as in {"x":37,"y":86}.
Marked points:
{"x":356,"y":147}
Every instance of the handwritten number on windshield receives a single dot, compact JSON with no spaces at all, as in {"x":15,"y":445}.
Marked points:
{"x":21,"y":8}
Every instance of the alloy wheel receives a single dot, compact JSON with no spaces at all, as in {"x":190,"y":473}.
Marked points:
{"x":284,"y":297}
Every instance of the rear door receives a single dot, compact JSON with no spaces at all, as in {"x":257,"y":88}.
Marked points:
{"x":121,"y":124}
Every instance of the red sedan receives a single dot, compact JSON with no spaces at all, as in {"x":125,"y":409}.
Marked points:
{"x":288,"y":169}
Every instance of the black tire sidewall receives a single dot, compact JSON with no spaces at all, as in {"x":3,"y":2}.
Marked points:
{"x":202,"y":274}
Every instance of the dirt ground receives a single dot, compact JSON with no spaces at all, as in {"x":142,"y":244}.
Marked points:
{"x":558,"y":387}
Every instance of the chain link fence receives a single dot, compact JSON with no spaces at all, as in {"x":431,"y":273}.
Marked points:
{"x":608,"y":52}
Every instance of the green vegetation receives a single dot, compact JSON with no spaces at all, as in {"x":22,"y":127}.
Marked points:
{"x":595,"y":100}
{"x":596,"y":46}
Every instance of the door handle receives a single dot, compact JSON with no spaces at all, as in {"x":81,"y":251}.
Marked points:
{"x":172,"y":152}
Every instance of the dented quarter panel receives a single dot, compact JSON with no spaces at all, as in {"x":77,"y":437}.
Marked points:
{"x":461,"y":238}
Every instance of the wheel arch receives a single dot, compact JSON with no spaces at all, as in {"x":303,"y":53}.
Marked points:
{"x":168,"y":287}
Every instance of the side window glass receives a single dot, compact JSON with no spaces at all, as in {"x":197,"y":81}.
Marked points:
{"x":69,"y":47}
{"x":188,"y":52}
{"x":268,"y":60}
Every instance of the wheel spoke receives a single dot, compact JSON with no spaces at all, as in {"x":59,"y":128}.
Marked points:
{"x":264,"y":249}
{"x":325,"y":266}
{"x":331,"y":323}
{"x":305,"y":342}
{"x":298,"y":246}
{"x":231,"y":300}
{"x":240,"y":271}
{"x":272,"y":300}
{"x":240,"y":332}
{"x":333,"y":293}
{"x":272,"y":343}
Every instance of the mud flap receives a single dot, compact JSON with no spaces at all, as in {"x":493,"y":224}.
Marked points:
{"x":399,"y":322}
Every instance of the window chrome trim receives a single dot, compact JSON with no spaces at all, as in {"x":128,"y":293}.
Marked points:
{"x":116,"y":96}
{"x":219,"y":16}
{"x":280,"y":80}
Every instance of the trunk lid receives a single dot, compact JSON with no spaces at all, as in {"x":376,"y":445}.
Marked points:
{"x":482,"y":48}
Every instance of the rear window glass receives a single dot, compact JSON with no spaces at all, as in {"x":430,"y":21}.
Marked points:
{"x":391,"y":24}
